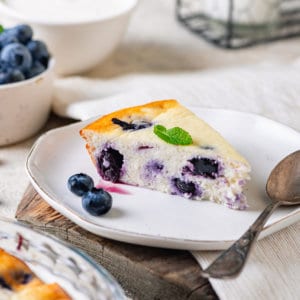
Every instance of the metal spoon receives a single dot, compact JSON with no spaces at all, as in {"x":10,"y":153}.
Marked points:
{"x":283,"y":188}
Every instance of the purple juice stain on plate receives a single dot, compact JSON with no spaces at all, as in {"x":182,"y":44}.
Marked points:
{"x":112,"y":188}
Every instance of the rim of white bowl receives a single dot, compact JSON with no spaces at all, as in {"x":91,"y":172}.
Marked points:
{"x":4,"y":7}
{"x":30,"y":80}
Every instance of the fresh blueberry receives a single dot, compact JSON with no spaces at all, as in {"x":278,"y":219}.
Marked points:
{"x":4,"y":78}
{"x":4,"y":72}
{"x":16,"y":75}
{"x":110,"y":163}
{"x":80,"y":184}
{"x":184,"y":187}
{"x":39,"y":52}
{"x":36,"y":69}
{"x":205,"y":167}
{"x":16,"y":56}
{"x":10,"y":76}
{"x":131,"y":126}
{"x":7,"y":37}
{"x":4,"y":66}
{"x":97,"y":202}
{"x":22,"y":32}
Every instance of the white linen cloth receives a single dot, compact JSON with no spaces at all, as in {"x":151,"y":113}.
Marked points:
{"x":272,"y":91}
{"x":160,"y":59}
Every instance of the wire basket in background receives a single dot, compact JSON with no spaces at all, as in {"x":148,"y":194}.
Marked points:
{"x":240,"y":23}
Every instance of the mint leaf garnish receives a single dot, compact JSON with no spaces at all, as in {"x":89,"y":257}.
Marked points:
{"x":161,"y":132}
{"x":175,"y":135}
{"x":1,"y":28}
{"x":179,"y":136}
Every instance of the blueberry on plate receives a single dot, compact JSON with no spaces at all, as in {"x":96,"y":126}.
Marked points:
{"x":80,"y":184}
{"x":16,"y":56}
{"x":39,"y":52}
{"x":97,"y":202}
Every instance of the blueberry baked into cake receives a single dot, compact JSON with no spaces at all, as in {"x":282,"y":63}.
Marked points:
{"x":18,"y":282}
{"x":165,"y":147}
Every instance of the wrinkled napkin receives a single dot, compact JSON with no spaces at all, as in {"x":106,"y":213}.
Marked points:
{"x":268,"y":90}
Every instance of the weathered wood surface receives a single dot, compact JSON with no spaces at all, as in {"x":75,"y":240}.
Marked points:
{"x":143,"y":272}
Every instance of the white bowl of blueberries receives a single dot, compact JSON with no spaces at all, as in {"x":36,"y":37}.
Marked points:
{"x":26,"y":80}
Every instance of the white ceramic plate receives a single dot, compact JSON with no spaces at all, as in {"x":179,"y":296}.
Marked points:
{"x":156,"y":219}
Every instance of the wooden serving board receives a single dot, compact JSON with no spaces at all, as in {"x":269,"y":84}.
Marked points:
{"x":143,"y":272}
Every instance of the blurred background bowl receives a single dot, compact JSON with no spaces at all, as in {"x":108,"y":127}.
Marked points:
{"x":25,"y":106}
{"x":54,"y":261}
{"x":77,"y":46}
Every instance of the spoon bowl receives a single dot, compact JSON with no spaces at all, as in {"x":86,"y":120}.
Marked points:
{"x":283,"y":188}
{"x":283,"y":184}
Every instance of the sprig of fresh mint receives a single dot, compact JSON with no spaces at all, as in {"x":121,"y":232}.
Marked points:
{"x":175,"y":135}
{"x":1,"y":28}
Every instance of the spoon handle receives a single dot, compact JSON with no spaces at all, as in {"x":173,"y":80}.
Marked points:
{"x":230,"y":262}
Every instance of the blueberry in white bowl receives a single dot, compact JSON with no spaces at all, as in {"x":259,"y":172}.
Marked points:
{"x":39,"y":52}
{"x":9,"y":75}
{"x":16,"y":56}
{"x":7,"y":38}
{"x":22,"y":32}
{"x":26,"y":84}
{"x":20,"y":52}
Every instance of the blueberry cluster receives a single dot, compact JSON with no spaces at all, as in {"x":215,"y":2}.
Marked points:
{"x":95,"y":201}
{"x":21,"y":57}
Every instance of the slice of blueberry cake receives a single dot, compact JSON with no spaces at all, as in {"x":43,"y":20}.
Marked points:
{"x":165,"y":147}
{"x":18,"y":282}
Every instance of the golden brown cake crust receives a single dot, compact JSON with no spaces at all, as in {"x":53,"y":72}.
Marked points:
{"x":169,"y":113}
{"x":12,"y":270}
{"x":44,"y":292}
{"x":104,"y":123}
{"x":24,"y":283}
